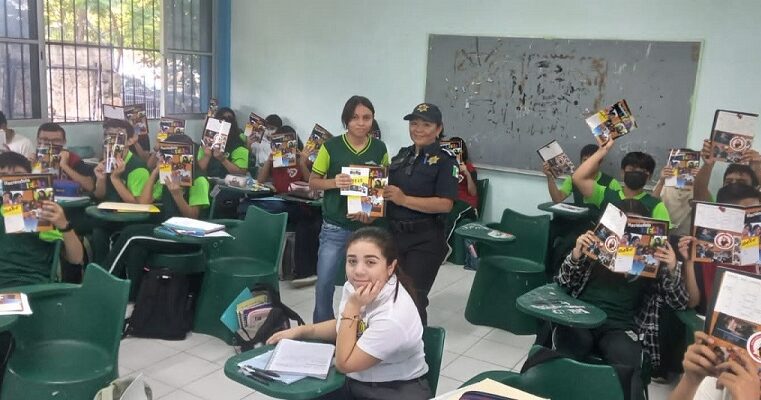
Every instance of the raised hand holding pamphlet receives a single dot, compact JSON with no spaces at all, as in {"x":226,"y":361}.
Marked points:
{"x":726,"y":234}
{"x":318,"y":136}
{"x":684,"y":165}
{"x":255,"y":127}
{"x":215,"y":134}
{"x":612,"y":122}
{"x":732,"y":134}
{"x":559,"y":162}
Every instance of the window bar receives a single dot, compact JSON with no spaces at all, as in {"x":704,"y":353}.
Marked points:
{"x":7,"y":89}
{"x":87,"y":60}
{"x":111,"y":51}
{"x":63,"y":64}
{"x":23,"y":78}
{"x":76,"y":58}
{"x":5,"y":22}
{"x":50,"y":62}
{"x":174,"y":83}
{"x":193,"y":60}
{"x":132,"y":52}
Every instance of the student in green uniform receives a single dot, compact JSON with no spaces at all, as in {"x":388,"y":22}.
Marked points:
{"x":126,"y":181}
{"x":356,"y":146}
{"x":26,"y":258}
{"x":136,"y":243}
{"x":234,"y":160}
{"x":636,"y":169}
{"x":558,"y":194}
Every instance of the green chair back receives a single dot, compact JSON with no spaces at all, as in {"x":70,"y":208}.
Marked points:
{"x":70,"y":344}
{"x":259,"y":236}
{"x":532,"y":235}
{"x":433,"y":345}
{"x":55,"y":267}
{"x":482,"y":188}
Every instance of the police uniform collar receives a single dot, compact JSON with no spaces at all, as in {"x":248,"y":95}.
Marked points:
{"x":432,"y":148}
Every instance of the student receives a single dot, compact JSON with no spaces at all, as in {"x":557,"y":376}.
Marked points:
{"x":558,"y":194}
{"x":422,"y":187}
{"x":636,"y":169}
{"x":467,"y":177}
{"x":632,"y":307}
{"x":72,"y":166}
{"x":677,"y":202}
{"x":126,"y":181}
{"x":261,"y":150}
{"x":26,"y":258}
{"x":379,"y":336}
{"x":233,"y":160}
{"x":737,"y":194}
{"x":356,"y":146}
{"x":306,"y":219}
{"x":136,"y":243}
{"x":707,"y":377}
{"x":15,"y":142}
{"x":733,"y":174}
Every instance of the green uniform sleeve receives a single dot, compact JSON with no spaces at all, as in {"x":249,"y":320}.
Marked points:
{"x":200,"y":154}
{"x":567,"y":186}
{"x":385,"y":161}
{"x":51,"y":235}
{"x":615,"y":185}
{"x":598,"y":195}
{"x":158,"y":190}
{"x":322,"y":162}
{"x":199,"y":193}
{"x":136,"y":180}
{"x":660,"y":212}
{"x":239,"y":157}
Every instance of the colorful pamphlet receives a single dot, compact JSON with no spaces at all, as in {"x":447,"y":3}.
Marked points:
{"x":215,"y":134}
{"x":14,"y":304}
{"x":114,"y":145}
{"x":684,"y":165}
{"x":23,"y":195}
{"x":627,"y":244}
{"x":726,"y":234}
{"x":455,"y":146}
{"x":48,"y":159}
{"x":255,"y":127}
{"x":135,"y":115}
{"x":365,"y":195}
{"x":734,"y":316}
{"x":732,"y":134}
{"x":169,"y":127}
{"x":612,"y":122}
{"x":284,"y":149}
{"x":318,"y":136}
{"x":559,"y":162}
{"x":176,"y":162}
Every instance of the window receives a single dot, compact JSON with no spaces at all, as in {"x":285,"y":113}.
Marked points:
{"x":99,"y":52}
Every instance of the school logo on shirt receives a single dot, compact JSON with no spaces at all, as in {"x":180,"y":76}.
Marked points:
{"x":361,"y":328}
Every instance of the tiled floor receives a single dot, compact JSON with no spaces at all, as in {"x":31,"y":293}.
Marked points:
{"x":192,"y":369}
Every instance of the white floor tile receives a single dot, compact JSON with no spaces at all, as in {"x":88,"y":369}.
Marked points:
{"x":465,"y":368}
{"x":191,"y":340}
{"x":212,"y":350}
{"x":137,"y":354}
{"x":159,"y":388}
{"x":216,"y":386}
{"x":258,"y":396}
{"x":180,"y":395}
{"x":447,"y":357}
{"x":447,"y":385}
{"x":504,"y":337}
{"x":459,"y":342}
{"x":496,"y":353}
{"x":181,"y":369}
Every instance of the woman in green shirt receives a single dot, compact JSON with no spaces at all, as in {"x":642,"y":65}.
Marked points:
{"x":234,"y":160}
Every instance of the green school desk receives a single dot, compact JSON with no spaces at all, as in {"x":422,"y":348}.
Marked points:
{"x":482,"y":233}
{"x":550,"y":302}
{"x":307,"y":388}
{"x":232,"y":191}
{"x":295,"y":199}
{"x":164,"y":233}
{"x":106,"y":222}
{"x":564,"y":213}
{"x":565,"y":227}
{"x":7,"y":321}
{"x":115,"y":216}
{"x":72,"y":204}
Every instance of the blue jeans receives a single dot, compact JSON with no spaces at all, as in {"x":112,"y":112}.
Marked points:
{"x":332,"y":249}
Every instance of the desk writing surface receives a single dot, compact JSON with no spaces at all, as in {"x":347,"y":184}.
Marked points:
{"x":483,"y":233}
{"x":551,"y":302}
{"x":307,"y":388}
{"x":548,"y":207}
{"x":163,"y":232}
{"x":115,"y":216}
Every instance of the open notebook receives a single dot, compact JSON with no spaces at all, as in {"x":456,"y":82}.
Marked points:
{"x":301,"y":358}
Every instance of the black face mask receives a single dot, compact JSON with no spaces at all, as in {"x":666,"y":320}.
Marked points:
{"x":635,"y":180}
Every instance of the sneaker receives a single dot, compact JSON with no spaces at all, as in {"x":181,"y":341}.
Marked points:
{"x":304,"y":282}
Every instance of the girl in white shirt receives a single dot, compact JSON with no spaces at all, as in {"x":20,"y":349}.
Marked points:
{"x":379,"y":335}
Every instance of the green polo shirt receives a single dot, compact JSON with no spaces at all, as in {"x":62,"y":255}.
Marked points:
{"x":137,"y":175}
{"x":26,"y":258}
{"x":603,"y":195}
{"x":239,"y":158}
{"x":334,"y":154}
{"x":567,"y":186}
{"x":196,"y":195}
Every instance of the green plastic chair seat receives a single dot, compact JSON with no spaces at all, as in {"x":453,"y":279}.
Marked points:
{"x":69,"y":361}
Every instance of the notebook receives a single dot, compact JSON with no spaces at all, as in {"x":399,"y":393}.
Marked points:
{"x":127,"y":207}
{"x":294,"y":357}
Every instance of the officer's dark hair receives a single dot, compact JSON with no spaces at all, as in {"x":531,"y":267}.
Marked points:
{"x":51,"y":127}
{"x":385,"y":241}
{"x":736,"y":192}
{"x":10,"y":159}
{"x":289,"y":129}
{"x":273,"y":120}
{"x":633,"y":207}
{"x":742,"y":169}
{"x":3,"y":120}
{"x":119,"y":124}
{"x":351,"y":105}
{"x":639,"y":159}
{"x":588,"y":150}
{"x":233,"y":138}
{"x":464,"y":155}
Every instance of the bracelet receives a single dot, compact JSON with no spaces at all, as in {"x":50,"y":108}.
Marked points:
{"x":66,"y":228}
{"x":354,"y":318}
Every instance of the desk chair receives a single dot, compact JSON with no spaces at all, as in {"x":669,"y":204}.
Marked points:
{"x":508,"y":270}
{"x":456,"y":243}
{"x":69,"y":346}
{"x":253,"y":257}
{"x":433,"y":347}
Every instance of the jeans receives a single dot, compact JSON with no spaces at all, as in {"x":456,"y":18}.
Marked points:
{"x":332,"y":249}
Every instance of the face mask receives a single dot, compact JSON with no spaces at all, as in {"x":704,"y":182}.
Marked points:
{"x":635,"y":180}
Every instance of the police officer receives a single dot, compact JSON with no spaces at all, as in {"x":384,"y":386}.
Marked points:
{"x":421,"y":190}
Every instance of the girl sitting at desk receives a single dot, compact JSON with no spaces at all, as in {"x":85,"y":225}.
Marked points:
{"x":379,"y":335}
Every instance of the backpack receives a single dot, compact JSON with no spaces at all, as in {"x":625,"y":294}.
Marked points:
{"x":278,"y":319}
{"x":164,"y":307}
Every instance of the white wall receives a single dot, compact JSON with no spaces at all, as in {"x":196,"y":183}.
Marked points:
{"x":303,"y":59}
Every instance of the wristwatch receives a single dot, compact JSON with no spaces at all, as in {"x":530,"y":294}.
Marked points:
{"x":66,"y":228}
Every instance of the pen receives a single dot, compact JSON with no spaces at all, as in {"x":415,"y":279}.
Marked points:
{"x":263,"y":379}
{"x":256,"y":372}
{"x":265,"y":372}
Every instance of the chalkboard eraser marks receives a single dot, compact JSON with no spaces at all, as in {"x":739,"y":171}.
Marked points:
{"x":612,"y":122}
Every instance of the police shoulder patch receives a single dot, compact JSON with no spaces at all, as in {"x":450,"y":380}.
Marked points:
{"x":449,"y":152}
{"x":455,"y":171}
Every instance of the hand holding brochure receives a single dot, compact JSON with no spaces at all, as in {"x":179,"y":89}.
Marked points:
{"x":23,"y":195}
{"x":284,"y":149}
{"x":559,"y":162}
{"x":612,"y":122}
{"x":684,"y":166}
{"x":732,"y":134}
{"x":365,"y":194}
{"x":301,"y":358}
{"x":255,"y":127}
{"x":176,"y":162}
{"x":726,"y":234}
{"x":318,"y":136}
{"x":215,"y":134}
{"x":169,"y":127}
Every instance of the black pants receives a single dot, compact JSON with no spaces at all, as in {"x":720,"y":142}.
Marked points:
{"x":421,"y":253}
{"x":415,"y":389}
{"x":614,"y":346}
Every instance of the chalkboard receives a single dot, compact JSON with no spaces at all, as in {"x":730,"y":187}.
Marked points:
{"x":509,"y":96}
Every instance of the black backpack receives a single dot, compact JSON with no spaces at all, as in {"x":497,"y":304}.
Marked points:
{"x":164,"y":307}
{"x":278,"y":319}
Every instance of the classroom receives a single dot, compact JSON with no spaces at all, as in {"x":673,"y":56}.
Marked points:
{"x":487,"y":249}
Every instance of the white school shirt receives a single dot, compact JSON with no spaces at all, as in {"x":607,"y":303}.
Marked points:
{"x":707,"y":391}
{"x":20,"y":144}
{"x":394,"y":335}
{"x":262,"y":149}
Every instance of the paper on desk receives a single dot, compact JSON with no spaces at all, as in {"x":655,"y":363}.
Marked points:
{"x":14,"y":304}
{"x":568,"y":208}
{"x":64,"y":199}
{"x":261,"y":361}
{"x":127,"y":207}
{"x":492,"y":387}
{"x":302,"y":358}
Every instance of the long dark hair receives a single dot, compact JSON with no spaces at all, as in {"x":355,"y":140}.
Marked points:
{"x":233,"y":138}
{"x":385,"y":242}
